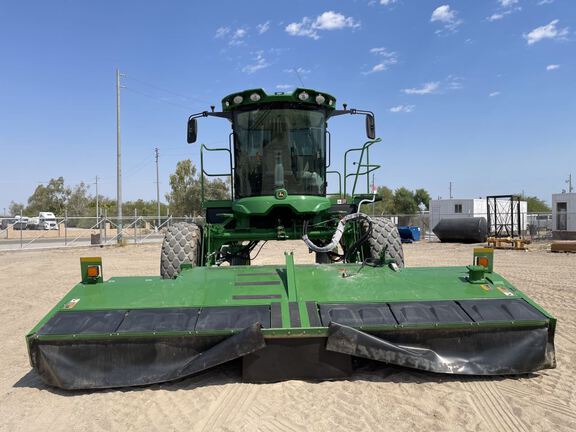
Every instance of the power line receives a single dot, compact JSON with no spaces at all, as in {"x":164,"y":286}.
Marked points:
{"x":187,"y":108}
{"x":168,"y":91}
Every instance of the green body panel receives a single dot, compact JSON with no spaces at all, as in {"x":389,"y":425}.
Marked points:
{"x":346,"y":283}
{"x":262,"y":205}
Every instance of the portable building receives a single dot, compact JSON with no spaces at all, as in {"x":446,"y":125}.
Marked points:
{"x":564,"y":215}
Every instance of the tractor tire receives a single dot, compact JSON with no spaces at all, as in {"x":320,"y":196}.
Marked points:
{"x":182,"y":244}
{"x":385,"y":237}
{"x":238,"y":260}
{"x":322,"y":258}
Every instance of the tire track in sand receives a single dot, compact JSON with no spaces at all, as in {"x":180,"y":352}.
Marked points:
{"x":228,"y":407}
{"x":492,"y":408}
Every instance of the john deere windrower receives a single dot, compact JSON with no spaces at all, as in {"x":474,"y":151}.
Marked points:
{"x":287,"y":321}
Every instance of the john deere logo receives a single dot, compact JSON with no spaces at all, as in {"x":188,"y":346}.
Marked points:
{"x":281,"y":194}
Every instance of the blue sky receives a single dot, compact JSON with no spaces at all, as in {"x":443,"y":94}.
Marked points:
{"x":480,"y":93}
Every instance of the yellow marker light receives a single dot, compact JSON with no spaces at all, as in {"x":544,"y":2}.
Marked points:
{"x":93,"y":271}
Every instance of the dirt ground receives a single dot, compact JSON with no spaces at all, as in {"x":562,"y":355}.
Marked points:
{"x":384,"y":398}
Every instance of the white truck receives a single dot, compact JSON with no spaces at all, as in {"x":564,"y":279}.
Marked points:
{"x":44,"y":221}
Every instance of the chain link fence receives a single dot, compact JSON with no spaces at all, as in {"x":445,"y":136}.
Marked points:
{"x":26,"y":233}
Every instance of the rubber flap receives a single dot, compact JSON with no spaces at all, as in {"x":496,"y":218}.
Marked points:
{"x":124,"y":361}
{"x":474,"y":351}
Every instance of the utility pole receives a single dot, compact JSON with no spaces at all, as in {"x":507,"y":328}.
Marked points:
{"x":569,"y":181}
{"x":97,"y":207}
{"x":450,"y":190}
{"x":118,"y":161}
{"x":157,"y":188}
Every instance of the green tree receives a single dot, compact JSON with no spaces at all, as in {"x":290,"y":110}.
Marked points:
{"x":535,"y":204}
{"x":184,"y":198}
{"x":422,"y":196}
{"x":78,"y":202}
{"x":404,"y":202}
{"x":52,"y":198}
{"x":15,"y":208}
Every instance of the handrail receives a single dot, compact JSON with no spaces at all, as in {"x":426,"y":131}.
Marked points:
{"x":339,"y":182}
{"x":204,"y":173}
{"x":365,"y":149}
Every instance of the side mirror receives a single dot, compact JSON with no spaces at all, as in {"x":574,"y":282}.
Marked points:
{"x":192,"y":130}
{"x":370,"y":127}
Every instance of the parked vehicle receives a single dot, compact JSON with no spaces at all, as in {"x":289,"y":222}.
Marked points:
{"x":20,"y":223}
{"x":44,"y":221}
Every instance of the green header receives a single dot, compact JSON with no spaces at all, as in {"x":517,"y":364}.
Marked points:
{"x":305,"y":97}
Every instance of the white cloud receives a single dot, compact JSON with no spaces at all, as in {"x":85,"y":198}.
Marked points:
{"x":259,"y":63}
{"x":495,"y":93}
{"x":221,"y":32}
{"x":387,"y":58}
{"x":329,"y":20}
{"x":507,"y":3}
{"x":238,"y":36}
{"x":552,"y":67}
{"x":427,"y":88}
{"x":402,"y":108}
{"x":235,"y":37}
{"x":499,"y":15}
{"x":284,"y":86}
{"x":263,"y":28}
{"x":548,"y":31}
{"x":545,"y":2}
{"x":447,"y":16}
{"x":299,"y":70}
{"x":387,"y":2}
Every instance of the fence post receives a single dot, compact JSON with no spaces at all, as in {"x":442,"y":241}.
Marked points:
{"x":66,"y":227}
{"x":20,"y":229}
{"x":135,"y":220}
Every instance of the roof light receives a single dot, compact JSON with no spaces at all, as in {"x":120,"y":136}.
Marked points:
{"x":303,"y":96}
{"x":254,"y":97}
{"x":320,"y":99}
{"x":330,"y":102}
{"x":227,"y":103}
{"x":238,"y":99}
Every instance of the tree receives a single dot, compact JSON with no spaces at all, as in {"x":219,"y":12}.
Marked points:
{"x":185,"y":195}
{"x":422,"y":196}
{"x":404,"y":202}
{"x":78,"y":202}
{"x":51,"y":198}
{"x":15,"y":208}
{"x":535,"y":204}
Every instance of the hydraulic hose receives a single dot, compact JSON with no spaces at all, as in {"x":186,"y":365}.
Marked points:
{"x":337,"y":235}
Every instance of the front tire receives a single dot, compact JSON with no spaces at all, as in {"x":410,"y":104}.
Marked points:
{"x":182,"y":245}
{"x":384,"y":238}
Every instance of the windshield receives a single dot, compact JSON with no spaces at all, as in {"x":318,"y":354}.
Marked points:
{"x":279,"y":148}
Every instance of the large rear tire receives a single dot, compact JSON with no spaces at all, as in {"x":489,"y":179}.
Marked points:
{"x":385,"y":238}
{"x":182,"y":244}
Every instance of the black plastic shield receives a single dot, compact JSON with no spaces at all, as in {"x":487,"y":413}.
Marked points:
{"x":132,"y":361}
{"x":502,"y":351}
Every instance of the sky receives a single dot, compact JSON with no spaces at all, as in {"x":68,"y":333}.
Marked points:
{"x":478,"y":93}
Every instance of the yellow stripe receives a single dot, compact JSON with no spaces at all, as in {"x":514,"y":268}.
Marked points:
{"x":87,"y":259}
{"x":483,"y":250}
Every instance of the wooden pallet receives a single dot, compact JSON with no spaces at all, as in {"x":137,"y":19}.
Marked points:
{"x":508,"y":243}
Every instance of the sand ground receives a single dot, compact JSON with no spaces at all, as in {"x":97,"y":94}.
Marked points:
{"x":384,"y":398}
